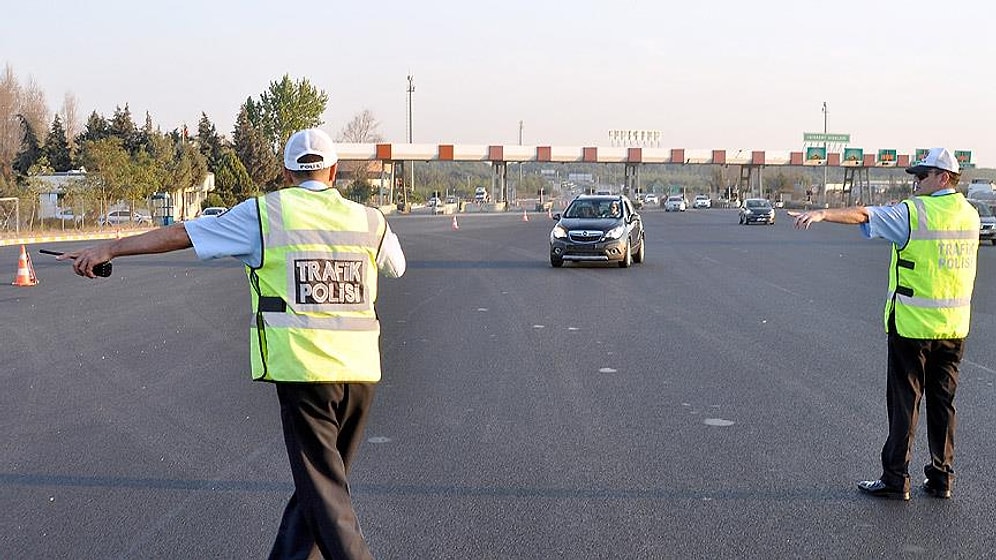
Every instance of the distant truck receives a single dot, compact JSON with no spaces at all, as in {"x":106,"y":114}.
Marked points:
{"x":981,"y":189}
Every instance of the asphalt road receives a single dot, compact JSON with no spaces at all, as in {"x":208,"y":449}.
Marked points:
{"x":718,"y":401}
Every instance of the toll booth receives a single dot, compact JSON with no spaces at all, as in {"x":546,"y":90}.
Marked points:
{"x":162,"y":209}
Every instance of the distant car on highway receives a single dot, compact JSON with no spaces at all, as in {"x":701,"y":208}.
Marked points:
{"x":598,"y":228}
{"x":213,"y":211}
{"x":757,"y":211}
{"x":675,"y":203}
{"x":702,"y":201}
{"x":435,"y":204}
{"x":651,"y":199}
{"x":481,"y":195}
{"x":987,"y":225}
{"x":118,"y":217}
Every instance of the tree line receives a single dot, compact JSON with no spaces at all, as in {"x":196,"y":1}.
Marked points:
{"x":125,"y":162}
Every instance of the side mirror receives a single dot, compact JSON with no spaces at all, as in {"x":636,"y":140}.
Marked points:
{"x":556,"y":217}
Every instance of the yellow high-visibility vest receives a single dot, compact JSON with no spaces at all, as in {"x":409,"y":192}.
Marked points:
{"x":931,"y":278}
{"x":313,"y":294}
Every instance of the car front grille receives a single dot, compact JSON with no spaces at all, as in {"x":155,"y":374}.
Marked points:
{"x":584,"y":236}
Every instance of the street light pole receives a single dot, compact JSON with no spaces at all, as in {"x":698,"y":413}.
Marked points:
{"x":826,"y":156}
{"x":519,"y":184}
{"x":411,"y":164}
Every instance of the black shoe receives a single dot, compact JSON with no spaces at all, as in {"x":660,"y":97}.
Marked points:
{"x":879,"y":489}
{"x":933,"y":489}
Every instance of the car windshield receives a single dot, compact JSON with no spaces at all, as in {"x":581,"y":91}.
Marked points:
{"x":757,"y":204}
{"x":594,"y":209}
{"x":983,"y":209}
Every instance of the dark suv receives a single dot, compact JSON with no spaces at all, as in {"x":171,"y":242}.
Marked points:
{"x":598,"y":228}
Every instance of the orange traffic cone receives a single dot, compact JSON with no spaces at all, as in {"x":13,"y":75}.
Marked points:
{"x":25,"y":271}
{"x":455,"y":224}
{"x":525,"y":218}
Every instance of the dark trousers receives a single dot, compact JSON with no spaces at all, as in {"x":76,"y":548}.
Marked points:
{"x":927,"y":368}
{"x":323,"y":425}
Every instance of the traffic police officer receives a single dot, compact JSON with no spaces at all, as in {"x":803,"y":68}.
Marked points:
{"x":312,"y":260}
{"x":935,"y":237}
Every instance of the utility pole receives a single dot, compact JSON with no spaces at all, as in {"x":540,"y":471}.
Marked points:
{"x":826,"y":156}
{"x":518,"y":185}
{"x":411,"y":164}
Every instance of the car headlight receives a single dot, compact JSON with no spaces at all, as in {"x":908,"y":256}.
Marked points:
{"x":616,"y":232}
{"x":559,"y":232}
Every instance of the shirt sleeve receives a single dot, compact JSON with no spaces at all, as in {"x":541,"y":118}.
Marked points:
{"x":888,"y":222}
{"x":391,"y":259}
{"x":233,"y":234}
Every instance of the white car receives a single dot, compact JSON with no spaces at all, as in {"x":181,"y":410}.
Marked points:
{"x":214,"y":211}
{"x":67,"y":215}
{"x":702,"y":201}
{"x":675,"y":203}
{"x":651,"y":199}
{"x":119,"y":217}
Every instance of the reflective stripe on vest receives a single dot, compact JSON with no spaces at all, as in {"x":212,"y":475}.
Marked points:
{"x":314,"y":292}
{"x":932,"y":276}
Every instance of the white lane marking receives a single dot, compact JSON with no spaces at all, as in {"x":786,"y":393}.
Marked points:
{"x":980,"y":366}
{"x":573,"y":328}
{"x":379,"y":439}
{"x":717,"y":422}
{"x":482,"y":309}
{"x":606,"y":370}
{"x":539,"y":326}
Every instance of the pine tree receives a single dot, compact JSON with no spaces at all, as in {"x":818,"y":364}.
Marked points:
{"x":210,"y":143}
{"x":122,"y":126}
{"x":30,"y":150}
{"x":253,"y":150}
{"x":96,"y":128}
{"x":57,"y":147}
{"x":231,"y":179}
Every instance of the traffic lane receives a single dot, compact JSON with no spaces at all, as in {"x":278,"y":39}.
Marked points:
{"x":800,"y":376}
{"x":497,"y":443}
{"x":131,"y":416}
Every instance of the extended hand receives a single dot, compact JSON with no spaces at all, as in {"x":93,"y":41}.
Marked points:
{"x":804,"y":219}
{"x":85,"y":259}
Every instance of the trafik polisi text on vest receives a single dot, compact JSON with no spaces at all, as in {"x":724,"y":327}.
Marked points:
{"x":329,"y":281}
{"x":956,"y":254}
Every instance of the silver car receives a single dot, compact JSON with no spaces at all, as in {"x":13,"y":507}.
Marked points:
{"x":987,"y":226}
{"x":675,"y":203}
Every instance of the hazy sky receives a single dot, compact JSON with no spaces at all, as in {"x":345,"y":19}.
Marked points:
{"x":708,"y":75}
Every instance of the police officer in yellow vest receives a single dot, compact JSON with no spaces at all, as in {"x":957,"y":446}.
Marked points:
{"x":312,"y":260}
{"x":935,"y":237}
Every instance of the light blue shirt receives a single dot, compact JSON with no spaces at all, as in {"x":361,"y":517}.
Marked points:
{"x":236,"y":233}
{"x":892,"y":222}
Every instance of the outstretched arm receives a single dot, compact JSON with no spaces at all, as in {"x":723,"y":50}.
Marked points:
{"x":162,"y":240}
{"x":850,"y":215}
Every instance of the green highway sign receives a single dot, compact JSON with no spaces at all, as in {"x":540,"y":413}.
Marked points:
{"x":824,"y":137}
